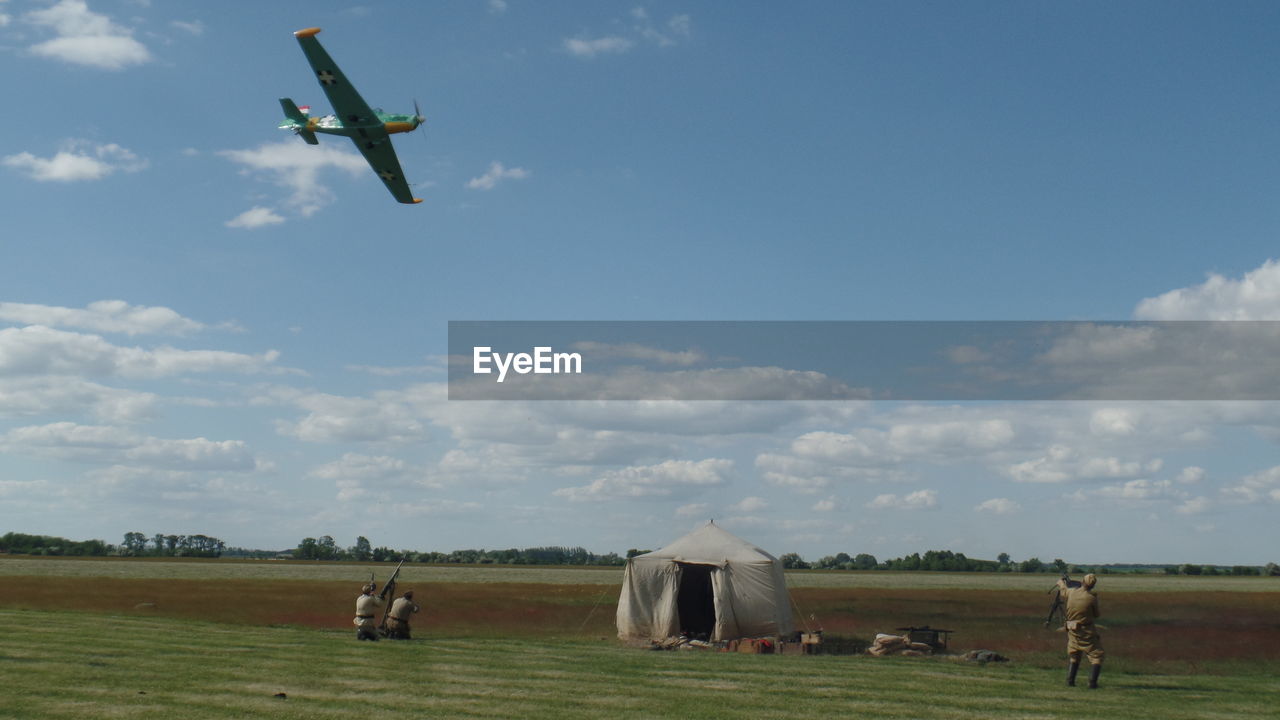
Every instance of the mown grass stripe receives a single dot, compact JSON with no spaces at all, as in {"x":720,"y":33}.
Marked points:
{"x":195,"y":669}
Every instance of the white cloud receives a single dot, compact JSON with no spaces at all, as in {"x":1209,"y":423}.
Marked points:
{"x":692,"y":510}
{"x":83,"y":37}
{"x":360,"y":467}
{"x":333,"y":418}
{"x":967,"y":355}
{"x":100,"y":444}
{"x":114,"y":316}
{"x":1258,"y":487}
{"x":591,"y":47}
{"x":497,"y":7}
{"x":1114,"y":421}
{"x":749,"y":505}
{"x":496,"y":172}
{"x":54,"y":395}
{"x":918,"y":500}
{"x":1254,"y":296}
{"x":1191,"y":474}
{"x":370,"y":477}
{"x":255,"y":217}
{"x":826,"y":505}
{"x":947,"y":437}
{"x":807,"y":475}
{"x":680,"y":25}
{"x":630,"y":382}
{"x":435,"y":507}
{"x":1136,"y":493}
{"x":398,"y":370}
{"x":677,"y":28}
{"x":941,"y":440}
{"x":38,"y":350}
{"x":1194,"y":506}
{"x":667,"y":479}
{"x":194,"y":27}
{"x":999,"y":506}
{"x":297,"y":167}
{"x":849,"y":448}
{"x":1061,"y":463}
{"x":16,"y":490}
{"x":77,"y":160}
{"x":1093,"y":344}
{"x":636,"y":351}
{"x":739,"y":523}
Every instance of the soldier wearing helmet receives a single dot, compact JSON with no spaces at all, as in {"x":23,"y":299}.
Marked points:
{"x":366,"y":608}
{"x":398,"y":618}
{"x":1081,"y":612}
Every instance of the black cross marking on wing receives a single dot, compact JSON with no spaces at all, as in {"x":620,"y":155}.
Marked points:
{"x":387,"y":175}
{"x":326,"y":77}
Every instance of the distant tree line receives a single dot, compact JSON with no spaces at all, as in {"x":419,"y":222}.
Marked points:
{"x":24,"y":544}
{"x":948,"y":561}
{"x":137,"y":544}
{"x":933,"y":560}
{"x":326,"y":548}
{"x":1188,"y":569}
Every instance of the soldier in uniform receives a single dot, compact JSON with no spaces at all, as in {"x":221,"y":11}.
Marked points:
{"x":398,"y":618}
{"x":366,"y":607}
{"x":1082,"y":633}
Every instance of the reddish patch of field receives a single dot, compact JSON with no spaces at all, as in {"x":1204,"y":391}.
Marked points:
{"x":1171,"y":631}
{"x":1168,"y":629}
{"x":465,"y":609}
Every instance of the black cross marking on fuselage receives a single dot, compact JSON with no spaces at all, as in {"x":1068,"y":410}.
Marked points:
{"x":326,"y":77}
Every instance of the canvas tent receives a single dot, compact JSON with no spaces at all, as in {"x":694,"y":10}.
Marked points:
{"x":708,"y":581}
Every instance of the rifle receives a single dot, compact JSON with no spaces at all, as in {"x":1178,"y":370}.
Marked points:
{"x":388,"y":591}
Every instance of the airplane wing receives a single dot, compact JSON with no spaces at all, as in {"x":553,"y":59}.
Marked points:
{"x":347,"y":103}
{"x":382,"y":157}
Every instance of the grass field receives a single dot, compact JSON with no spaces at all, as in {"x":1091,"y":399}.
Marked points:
{"x":81,"y":665}
{"x":84,"y":638}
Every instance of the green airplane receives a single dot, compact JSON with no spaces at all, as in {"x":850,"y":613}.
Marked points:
{"x":369,"y":129}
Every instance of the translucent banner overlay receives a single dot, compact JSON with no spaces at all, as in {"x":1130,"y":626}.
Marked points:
{"x":839,"y":360}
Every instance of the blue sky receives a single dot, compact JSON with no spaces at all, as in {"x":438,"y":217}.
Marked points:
{"x":208,"y":326}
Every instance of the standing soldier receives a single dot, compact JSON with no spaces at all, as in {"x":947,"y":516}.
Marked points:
{"x":398,"y":618}
{"x":366,"y":607}
{"x":1082,"y":633}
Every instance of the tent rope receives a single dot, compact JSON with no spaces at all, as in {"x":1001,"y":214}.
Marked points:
{"x":593,"y":609}
{"x":803,"y":618}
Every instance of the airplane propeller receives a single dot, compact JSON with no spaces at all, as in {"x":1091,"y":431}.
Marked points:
{"x":417,"y":113}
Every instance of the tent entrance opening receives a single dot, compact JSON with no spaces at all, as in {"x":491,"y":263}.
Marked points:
{"x":696,"y":601}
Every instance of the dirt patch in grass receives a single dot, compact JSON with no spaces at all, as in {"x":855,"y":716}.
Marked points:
{"x":1171,"y":631}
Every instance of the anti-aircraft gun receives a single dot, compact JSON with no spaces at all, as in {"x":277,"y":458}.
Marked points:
{"x":388,"y":595}
{"x":1058,"y":604}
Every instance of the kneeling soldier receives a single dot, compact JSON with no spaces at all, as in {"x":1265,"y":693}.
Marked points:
{"x":366,"y":607}
{"x":398,"y":618}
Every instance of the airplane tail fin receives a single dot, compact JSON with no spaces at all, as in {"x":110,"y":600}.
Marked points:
{"x":298,"y":121}
{"x":292,"y":112}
